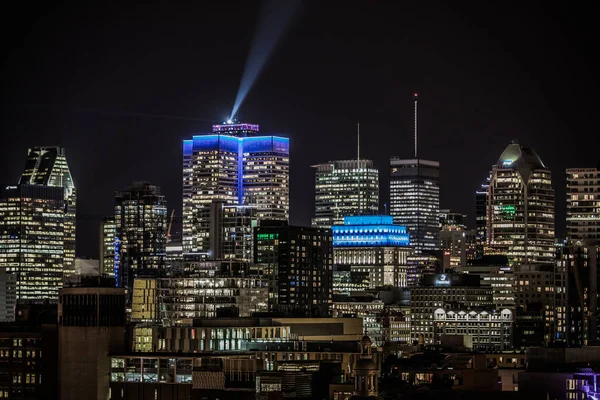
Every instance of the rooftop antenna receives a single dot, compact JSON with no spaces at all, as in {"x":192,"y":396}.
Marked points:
{"x":358,"y":164}
{"x":415,"y":98}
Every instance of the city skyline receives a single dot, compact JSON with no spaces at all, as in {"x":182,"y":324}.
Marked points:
{"x":470,"y":109}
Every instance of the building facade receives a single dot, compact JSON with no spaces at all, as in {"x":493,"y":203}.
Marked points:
{"x":32,"y":240}
{"x":8,"y":295}
{"x":108,"y":237}
{"x":448,"y":292}
{"x":488,"y":330}
{"x":342,"y":188}
{"x":209,"y":295}
{"x":238,"y":166}
{"x":91,"y":325}
{"x":298,"y":262}
{"x":415,"y":200}
{"x":583,"y":203}
{"x":481,"y":201}
{"x":540,"y":304}
{"x":47,"y":166}
{"x":520,"y":209}
{"x":141,"y":233}
{"x":372,"y":244}
{"x":580,"y":264}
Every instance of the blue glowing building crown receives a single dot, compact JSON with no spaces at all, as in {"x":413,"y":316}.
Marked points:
{"x":369,"y":231}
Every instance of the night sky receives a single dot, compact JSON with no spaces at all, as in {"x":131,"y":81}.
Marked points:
{"x":94,"y":79}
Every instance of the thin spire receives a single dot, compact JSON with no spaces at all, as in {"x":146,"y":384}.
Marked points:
{"x":358,"y":164}
{"x":415,"y":98}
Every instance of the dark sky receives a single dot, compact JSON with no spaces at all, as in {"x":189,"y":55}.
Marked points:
{"x":75,"y":76}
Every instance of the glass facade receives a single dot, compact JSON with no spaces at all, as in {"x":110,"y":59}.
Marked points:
{"x":240,"y":168}
{"x":184,"y":299}
{"x":32,"y":234}
{"x":342,"y":188}
{"x":298,"y":262}
{"x":108,"y":233}
{"x":141,"y":233}
{"x":520,"y":210}
{"x":48,"y":166}
{"x":415,"y":200}
{"x":481,"y":200}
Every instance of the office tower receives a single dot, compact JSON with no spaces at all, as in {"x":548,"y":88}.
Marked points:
{"x":108,"y":234}
{"x":481,"y":201}
{"x":372,"y":244}
{"x":230,"y":231}
{"x":415,"y":200}
{"x":580,"y":263}
{"x":343,"y":188}
{"x":8,"y":295}
{"x":539,"y":304}
{"x":48,"y":166}
{"x":298,"y":261}
{"x":583,"y":203}
{"x":91,"y":326}
{"x":32,"y":239}
{"x":520,"y":211}
{"x":452,"y":218}
{"x":495,"y":272}
{"x":141,"y":233}
{"x":238,"y":166}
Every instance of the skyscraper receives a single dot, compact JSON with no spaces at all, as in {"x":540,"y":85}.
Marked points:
{"x":236,"y":165}
{"x":520,"y":210}
{"x":48,"y":166}
{"x":344,"y":188}
{"x":583,"y":203}
{"x":298,"y":262}
{"x":32,"y":240}
{"x":108,"y":232}
{"x":481,"y":200}
{"x":141,"y":233}
{"x":415,"y":200}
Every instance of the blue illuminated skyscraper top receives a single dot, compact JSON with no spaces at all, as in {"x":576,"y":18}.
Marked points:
{"x":237,"y":165}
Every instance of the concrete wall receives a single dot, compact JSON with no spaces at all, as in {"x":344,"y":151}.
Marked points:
{"x":84,"y":365}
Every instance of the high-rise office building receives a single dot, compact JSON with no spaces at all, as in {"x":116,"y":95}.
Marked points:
{"x":580,"y":264}
{"x":237,"y":165}
{"x":520,"y":209}
{"x":108,"y":234}
{"x":32,"y":240}
{"x":141,"y":233}
{"x":540,"y":304}
{"x":415,"y":200}
{"x":481,"y":200}
{"x":343,"y":188}
{"x":48,"y":166}
{"x":298,"y":262}
{"x":583,"y":203}
{"x":230,"y":231}
{"x":372,"y":244}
